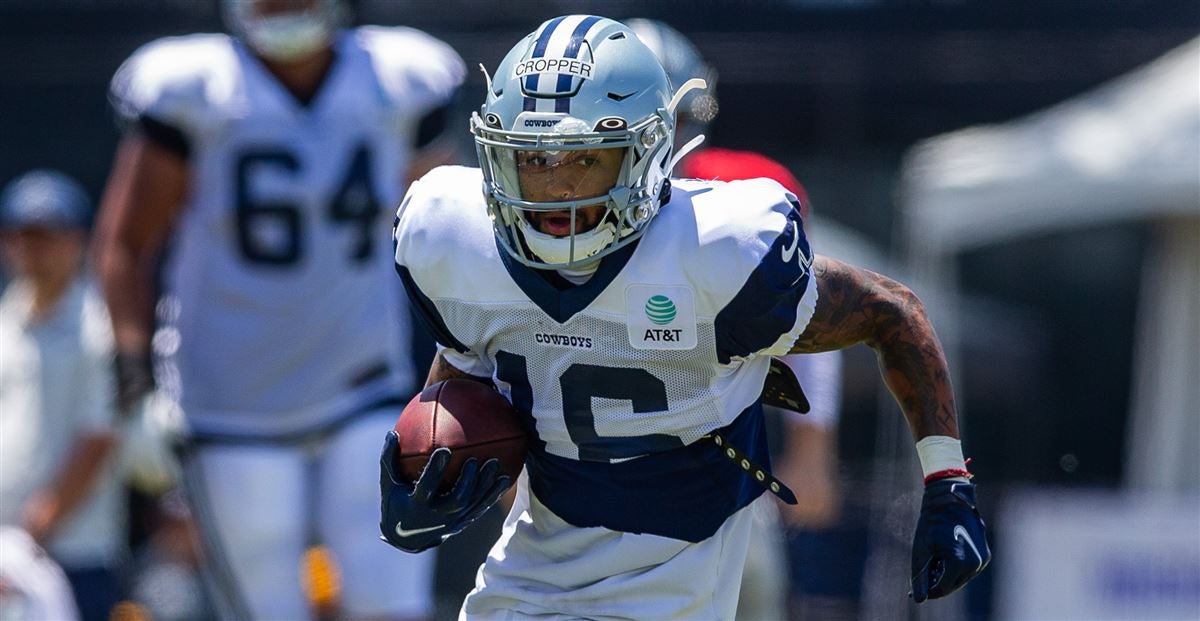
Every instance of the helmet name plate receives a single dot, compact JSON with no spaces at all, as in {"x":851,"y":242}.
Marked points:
{"x":570,"y":66}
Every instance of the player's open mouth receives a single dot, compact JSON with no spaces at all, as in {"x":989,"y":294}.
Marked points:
{"x":556,"y":223}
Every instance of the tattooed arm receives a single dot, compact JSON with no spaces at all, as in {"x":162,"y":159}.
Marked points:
{"x":441,"y":369}
{"x":854,"y":306}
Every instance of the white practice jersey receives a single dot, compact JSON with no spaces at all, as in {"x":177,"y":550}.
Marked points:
{"x":622,"y":377}
{"x":277,"y":316}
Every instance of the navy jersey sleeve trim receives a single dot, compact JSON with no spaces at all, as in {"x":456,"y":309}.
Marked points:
{"x":428,"y":312}
{"x":165,"y":135}
{"x":764,"y":309}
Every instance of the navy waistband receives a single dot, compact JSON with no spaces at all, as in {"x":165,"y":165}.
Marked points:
{"x":684,"y":493}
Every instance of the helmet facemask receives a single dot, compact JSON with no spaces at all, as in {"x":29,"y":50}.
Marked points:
{"x":578,"y":83}
{"x":544,"y":189}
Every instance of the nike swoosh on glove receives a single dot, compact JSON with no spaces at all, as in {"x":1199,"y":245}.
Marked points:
{"x":416,"y":518}
{"x":950,"y":545}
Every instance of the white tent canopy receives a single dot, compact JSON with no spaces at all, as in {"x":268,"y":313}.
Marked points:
{"x":1129,"y":150}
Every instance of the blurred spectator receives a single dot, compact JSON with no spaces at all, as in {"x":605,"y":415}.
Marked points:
{"x":56,"y":390}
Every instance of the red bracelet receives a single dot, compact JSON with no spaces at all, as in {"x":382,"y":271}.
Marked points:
{"x":946,"y":474}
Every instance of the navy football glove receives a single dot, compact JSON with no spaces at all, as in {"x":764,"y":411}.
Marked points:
{"x":417,"y":518}
{"x":950,"y":546}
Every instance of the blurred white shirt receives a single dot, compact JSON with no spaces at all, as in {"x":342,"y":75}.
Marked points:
{"x":55,"y":382}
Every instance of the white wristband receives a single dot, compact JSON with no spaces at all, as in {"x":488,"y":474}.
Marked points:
{"x":939,"y":454}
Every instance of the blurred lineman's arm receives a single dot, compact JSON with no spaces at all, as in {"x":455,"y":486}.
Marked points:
{"x":144,"y":196}
{"x":859,"y":306}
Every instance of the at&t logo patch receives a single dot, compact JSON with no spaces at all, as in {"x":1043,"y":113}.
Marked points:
{"x":660,"y":317}
{"x":660,"y":310}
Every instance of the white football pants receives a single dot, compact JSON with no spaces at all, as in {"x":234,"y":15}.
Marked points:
{"x":259,"y":506}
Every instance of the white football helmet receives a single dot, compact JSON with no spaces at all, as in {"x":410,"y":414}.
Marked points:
{"x":285,"y":36}
{"x":577,"y":83}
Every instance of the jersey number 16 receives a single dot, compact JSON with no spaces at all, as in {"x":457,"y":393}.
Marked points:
{"x":579,"y":384}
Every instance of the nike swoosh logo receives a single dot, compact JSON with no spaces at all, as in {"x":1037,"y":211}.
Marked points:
{"x":788,"y":253}
{"x":417,"y":531}
{"x":961,"y":533}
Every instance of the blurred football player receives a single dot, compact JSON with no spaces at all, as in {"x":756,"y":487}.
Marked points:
{"x":647,"y":441}
{"x":58,"y":478}
{"x":809,"y":442}
{"x":269,"y":157}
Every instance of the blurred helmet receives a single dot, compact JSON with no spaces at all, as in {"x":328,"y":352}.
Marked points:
{"x":284,"y":35}
{"x":578,"y":83}
{"x":44,"y":199}
{"x":682,"y":61}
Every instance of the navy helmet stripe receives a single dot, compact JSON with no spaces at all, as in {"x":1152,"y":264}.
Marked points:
{"x":539,"y":49}
{"x":564,"y":79}
{"x":543,"y":41}
{"x":577,"y":36}
{"x":572,"y":51}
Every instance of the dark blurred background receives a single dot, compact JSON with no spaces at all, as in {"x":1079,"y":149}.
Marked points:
{"x":839,"y":90}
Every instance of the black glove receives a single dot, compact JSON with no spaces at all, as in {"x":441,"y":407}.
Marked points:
{"x":135,"y":379}
{"x":950,"y":545}
{"x":415,"y":518}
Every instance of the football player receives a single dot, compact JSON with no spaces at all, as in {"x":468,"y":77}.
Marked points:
{"x":647,"y":440}
{"x":809,"y":441}
{"x":269,"y":156}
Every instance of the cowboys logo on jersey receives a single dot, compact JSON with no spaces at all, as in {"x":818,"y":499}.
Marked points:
{"x":627,"y":346}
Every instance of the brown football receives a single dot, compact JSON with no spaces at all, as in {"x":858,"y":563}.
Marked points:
{"x":469,"y":418}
